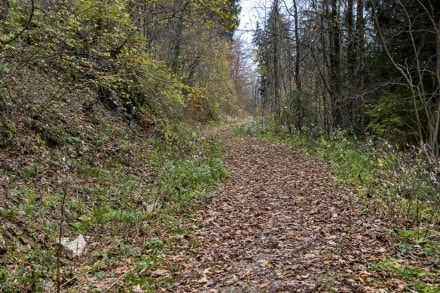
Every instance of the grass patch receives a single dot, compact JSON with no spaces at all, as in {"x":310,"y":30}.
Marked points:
{"x":416,"y":279}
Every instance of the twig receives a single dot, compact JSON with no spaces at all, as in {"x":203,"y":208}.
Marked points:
{"x":120,"y":278}
{"x":7,"y":280}
{"x":61,"y":223}
{"x":25,"y":28}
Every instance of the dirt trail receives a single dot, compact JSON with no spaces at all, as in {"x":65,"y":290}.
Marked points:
{"x":281,"y":224}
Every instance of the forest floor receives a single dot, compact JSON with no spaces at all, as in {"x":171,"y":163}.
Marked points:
{"x":280,"y":223}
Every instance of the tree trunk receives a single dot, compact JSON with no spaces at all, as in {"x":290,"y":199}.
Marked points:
{"x":360,"y":45}
{"x":177,"y":44}
{"x":359,"y":72}
{"x":4,"y":9}
{"x":351,"y":54}
{"x":178,"y":36}
{"x":335,"y":65}
{"x":276,"y":63}
{"x":325,"y":40}
{"x":436,"y":128}
{"x":298,"y":84}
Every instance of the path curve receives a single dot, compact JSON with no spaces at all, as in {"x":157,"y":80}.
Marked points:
{"x":281,"y":224}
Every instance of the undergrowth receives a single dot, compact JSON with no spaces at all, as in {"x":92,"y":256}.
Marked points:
{"x":124,"y":193}
{"x":398,"y":182}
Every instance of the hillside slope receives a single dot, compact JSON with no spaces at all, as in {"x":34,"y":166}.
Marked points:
{"x":70,"y":166}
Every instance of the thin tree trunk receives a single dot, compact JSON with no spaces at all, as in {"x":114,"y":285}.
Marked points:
{"x":4,"y":9}
{"x":335,"y":65}
{"x":360,"y":44}
{"x":177,"y":44}
{"x":436,"y":129}
{"x":298,"y":84}
{"x":276,"y":63}
{"x":351,"y":90}
{"x":178,"y":37}
{"x":360,"y":63}
{"x":351,"y":53}
{"x":325,"y":23}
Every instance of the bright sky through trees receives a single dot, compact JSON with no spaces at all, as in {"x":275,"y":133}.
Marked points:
{"x":251,"y":12}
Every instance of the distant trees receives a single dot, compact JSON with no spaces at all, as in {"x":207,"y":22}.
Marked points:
{"x":194,"y":39}
{"x":319,"y":41}
{"x":242,"y":77}
{"x":276,"y":91}
{"x":339,"y":62}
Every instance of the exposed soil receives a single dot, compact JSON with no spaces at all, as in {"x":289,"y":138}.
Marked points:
{"x":281,"y":224}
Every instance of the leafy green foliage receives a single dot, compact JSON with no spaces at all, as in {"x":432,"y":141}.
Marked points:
{"x":390,"y":117}
{"x":418,"y":279}
{"x":98,"y":46}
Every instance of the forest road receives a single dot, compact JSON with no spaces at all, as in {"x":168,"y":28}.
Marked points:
{"x":280,"y":223}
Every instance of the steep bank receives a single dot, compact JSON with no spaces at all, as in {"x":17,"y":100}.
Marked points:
{"x":73,"y":164}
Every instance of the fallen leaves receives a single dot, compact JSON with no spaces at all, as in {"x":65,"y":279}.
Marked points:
{"x":160,"y":273}
{"x":280,"y":223}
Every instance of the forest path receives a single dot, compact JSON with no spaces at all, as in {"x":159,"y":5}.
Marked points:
{"x":281,"y":224}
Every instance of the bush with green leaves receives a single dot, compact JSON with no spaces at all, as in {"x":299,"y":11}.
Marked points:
{"x":392,"y":118}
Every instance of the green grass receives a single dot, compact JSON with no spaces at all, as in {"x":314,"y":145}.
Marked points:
{"x":418,"y":279}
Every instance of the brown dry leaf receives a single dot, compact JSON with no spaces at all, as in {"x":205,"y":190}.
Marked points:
{"x":363,"y":276}
{"x":137,"y":289}
{"x":160,"y":273}
{"x":203,"y":280}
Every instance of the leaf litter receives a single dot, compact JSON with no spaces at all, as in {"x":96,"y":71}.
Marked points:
{"x":280,"y":223}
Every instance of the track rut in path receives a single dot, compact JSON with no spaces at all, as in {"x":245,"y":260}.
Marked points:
{"x":281,"y":224}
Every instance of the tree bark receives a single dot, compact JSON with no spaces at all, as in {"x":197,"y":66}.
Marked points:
{"x":335,"y":65}
{"x":276,"y":62}
{"x":4,"y":9}
{"x":360,"y":44}
{"x":298,"y":83}
{"x":177,"y":44}
{"x":349,"y":102}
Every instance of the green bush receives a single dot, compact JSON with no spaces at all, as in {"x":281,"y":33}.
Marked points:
{"x":390,"y":117}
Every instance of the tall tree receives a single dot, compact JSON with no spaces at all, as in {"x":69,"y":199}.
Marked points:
{"x":274,"y":57}
{"x":335,"y":65}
